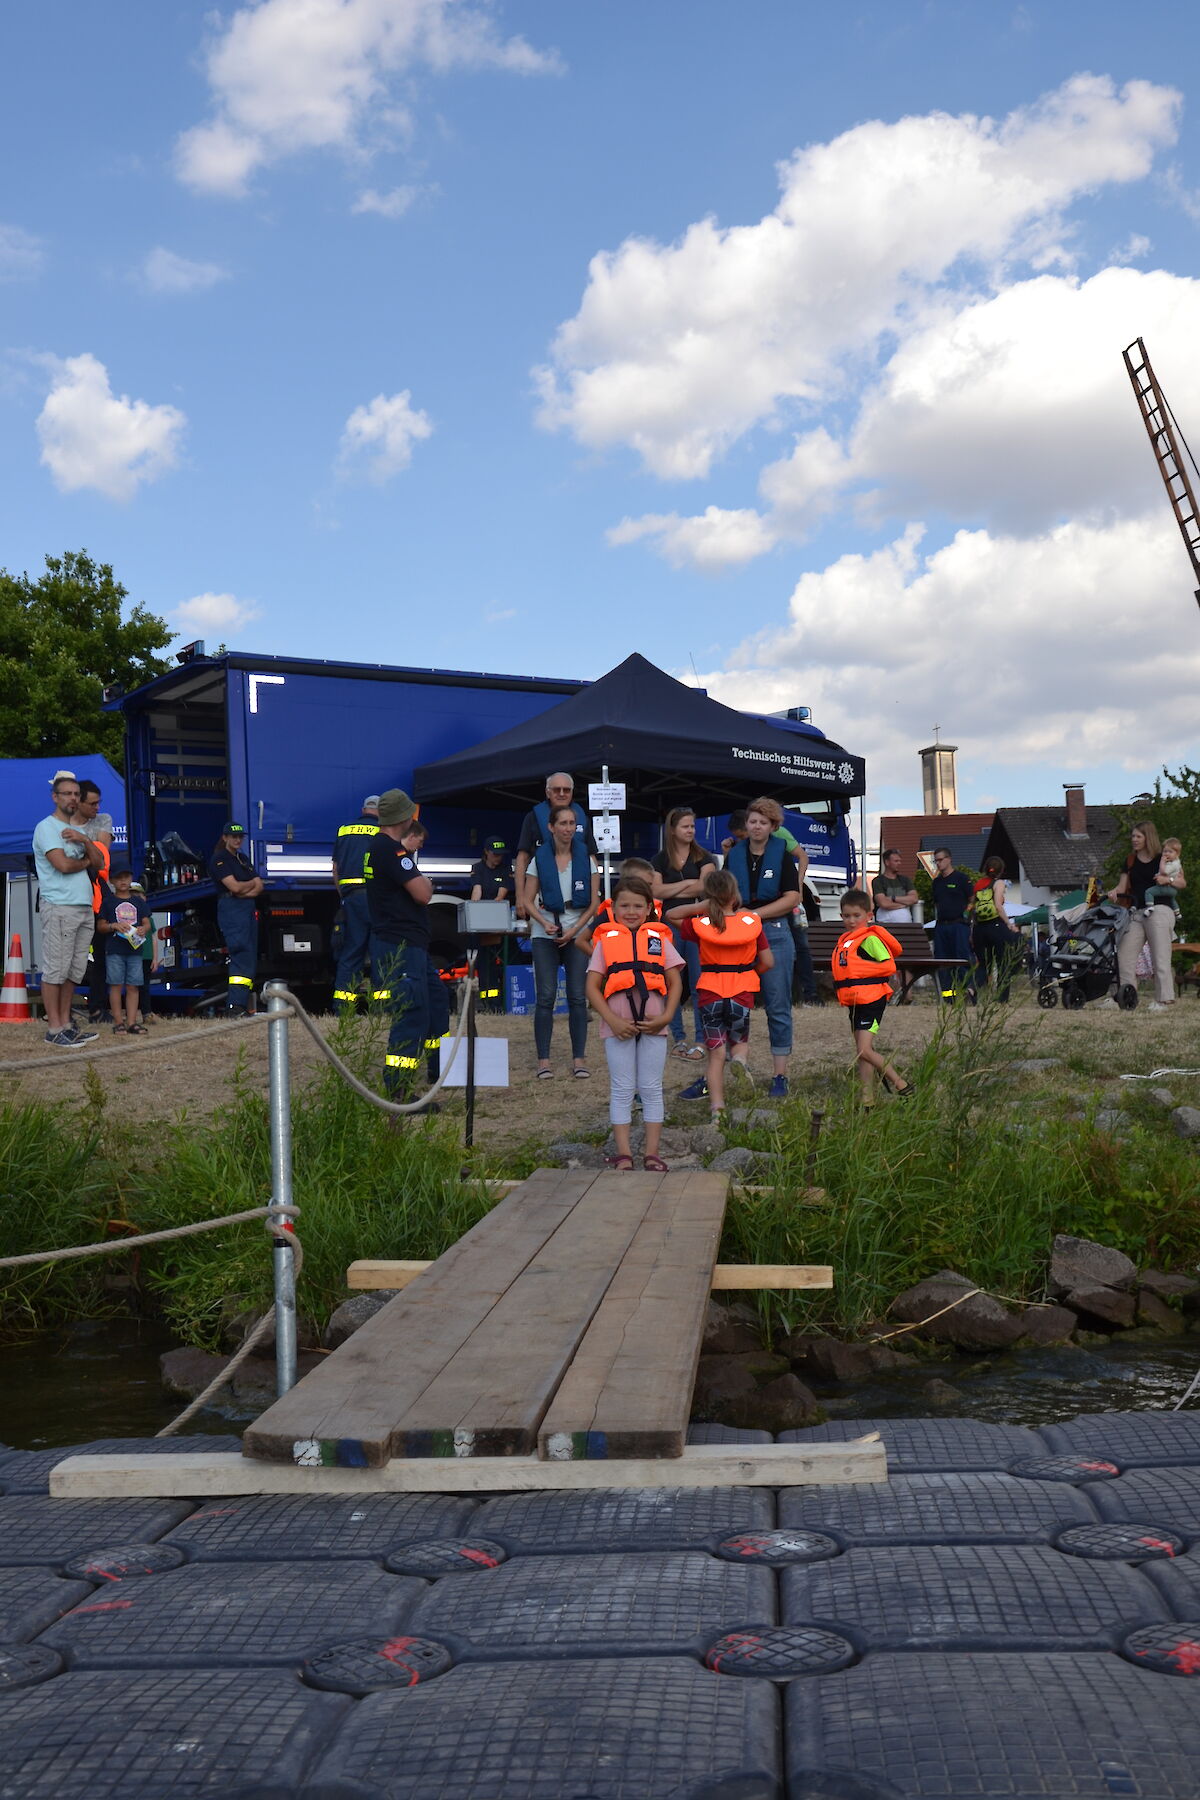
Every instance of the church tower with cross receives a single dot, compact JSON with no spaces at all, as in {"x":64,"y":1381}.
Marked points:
{"x":939,"y":786}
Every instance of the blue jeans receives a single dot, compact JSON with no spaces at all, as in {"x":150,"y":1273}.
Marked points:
{"x":407,"y":984}
{"x":238,"y":923}
{"x":124,"y":967}
{"x":548,"y":956}
{"x":777,"y":984}
{"x":356,"y":935}
{"x":953,"y":938}
{"x":804,"y":961}
{"x":691,"y":956}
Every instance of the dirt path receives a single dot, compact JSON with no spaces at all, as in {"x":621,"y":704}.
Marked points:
{"x":193,"y":1073}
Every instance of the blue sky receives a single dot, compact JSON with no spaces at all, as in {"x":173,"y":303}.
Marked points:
{"x":778,"y":340}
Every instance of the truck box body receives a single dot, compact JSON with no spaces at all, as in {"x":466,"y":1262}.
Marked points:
{"x":288,"y":748}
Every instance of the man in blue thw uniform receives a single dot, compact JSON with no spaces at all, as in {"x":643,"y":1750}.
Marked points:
{"x":349,"y":855}
{"x":237,"y":916}
{"x":406,"y":981}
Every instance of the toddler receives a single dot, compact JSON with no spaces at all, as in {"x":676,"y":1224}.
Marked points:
{"x":1164,"y":891}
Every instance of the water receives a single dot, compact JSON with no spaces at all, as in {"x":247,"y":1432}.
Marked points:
{"x":94,"y":1379}
{"x":99,"y":1379}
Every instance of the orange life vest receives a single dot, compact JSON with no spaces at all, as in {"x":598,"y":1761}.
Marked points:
{"x":100,"y":877}
{"x":859,"y":979}
{"x":634,"y":962}
{"x":727,"y":958}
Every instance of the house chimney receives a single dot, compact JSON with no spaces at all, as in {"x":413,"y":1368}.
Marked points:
{"x":1077,"y":826}
{"x":939,"y":790}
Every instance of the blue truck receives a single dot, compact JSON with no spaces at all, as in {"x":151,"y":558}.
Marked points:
{"x":288,"y":747}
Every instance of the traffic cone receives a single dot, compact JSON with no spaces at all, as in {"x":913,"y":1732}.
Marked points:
{"x":14,"y":996}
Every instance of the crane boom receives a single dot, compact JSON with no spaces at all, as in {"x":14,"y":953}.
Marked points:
{"x":1165,"y":439}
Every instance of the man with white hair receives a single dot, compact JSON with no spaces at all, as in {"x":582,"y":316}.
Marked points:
{"x":535,"y":827}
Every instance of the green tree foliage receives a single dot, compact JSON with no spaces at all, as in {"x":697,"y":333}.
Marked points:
{"x":1174,"y":810}
{"x":63,"y":639}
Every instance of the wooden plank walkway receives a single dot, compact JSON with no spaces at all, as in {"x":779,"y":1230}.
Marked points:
{"x":374,"y":1275}
{"x":346,"y":1411}
{"x":467,"y":1359}
{"x":628,"y":1390}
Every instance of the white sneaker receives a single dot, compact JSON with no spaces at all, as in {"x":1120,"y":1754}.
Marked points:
{"x":1160,"y":1006}
{"x":1108,"y":1001}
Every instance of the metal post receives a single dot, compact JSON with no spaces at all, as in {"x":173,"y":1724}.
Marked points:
{"x":276,"y":995}
{"x":607,"y":861}
{"x":469,"y":1134}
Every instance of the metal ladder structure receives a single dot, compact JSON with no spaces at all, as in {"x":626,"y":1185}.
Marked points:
{"x":1165,"y":440}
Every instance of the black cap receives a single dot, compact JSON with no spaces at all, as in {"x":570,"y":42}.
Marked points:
{"x":497,"y":845}
{"x":231,"y":828}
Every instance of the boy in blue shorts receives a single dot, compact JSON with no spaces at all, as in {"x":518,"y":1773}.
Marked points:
{"x":124,"y":922}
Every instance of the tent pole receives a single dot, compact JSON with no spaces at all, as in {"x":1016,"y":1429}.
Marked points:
{"x":607,"y":859}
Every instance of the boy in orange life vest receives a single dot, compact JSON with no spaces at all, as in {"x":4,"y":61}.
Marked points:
{"x":863,"y":962}
{"x":733,"y":953}
{"x":632,"y":865}
{"x":634,"y":983}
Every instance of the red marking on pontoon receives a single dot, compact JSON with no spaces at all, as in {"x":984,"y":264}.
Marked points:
{"x":103,"y":1606}
{"x":1158,"y":1544}
{"x":479,"y":1556}
{"x":1185,"y":1655}
{"x":393,"y":1652}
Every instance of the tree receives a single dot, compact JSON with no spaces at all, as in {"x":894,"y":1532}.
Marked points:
{"x":63,"y":639}
{"x":1174,"y":810}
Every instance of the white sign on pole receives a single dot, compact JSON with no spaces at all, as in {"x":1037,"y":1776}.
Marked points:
{"x":607,"y":833}
{"x":606,"y":796}
{"x":491,"y":1062}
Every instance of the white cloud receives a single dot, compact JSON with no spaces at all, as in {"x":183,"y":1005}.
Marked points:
{"x":164,"y":272}
{"x":501,"y":617}
{"x":92,"y":438}
{"x":720,"y":538}
{"x":678,"y":350}
{"x":392,"y":205}
{"x":215,"y":612}
{"x":377,"y":440}
{"x":295,"y":75}
{"x":1133,"y":249}
{"x":1072,"y":647}
{"x":21,"y":253}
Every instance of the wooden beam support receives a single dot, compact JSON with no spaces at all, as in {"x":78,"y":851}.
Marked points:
{"x":378,"y":1276}
{"x":201,"y":1476}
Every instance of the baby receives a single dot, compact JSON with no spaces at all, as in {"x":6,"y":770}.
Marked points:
{"x":1169,"y":866}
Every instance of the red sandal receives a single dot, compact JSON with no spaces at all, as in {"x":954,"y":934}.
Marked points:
{"x":619,"y":1162}
{"x":655,"y":1165}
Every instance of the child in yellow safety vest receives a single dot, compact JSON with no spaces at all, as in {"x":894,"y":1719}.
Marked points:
{"x":863,"y":962}
{"x":634,"y":983}
{"x":733,"y":954}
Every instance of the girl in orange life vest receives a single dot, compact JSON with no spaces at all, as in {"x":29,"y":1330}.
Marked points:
{"x":632,"y":865}
{"x":733,"y":954}
{"x":863,"y":960}
{"x":634,"y":984}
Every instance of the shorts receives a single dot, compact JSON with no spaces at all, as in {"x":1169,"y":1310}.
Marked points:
{"x":724,"y":1021}
{"x":66,"y":938}
{"x":868,"y":1015}
{"x":124,"y":968}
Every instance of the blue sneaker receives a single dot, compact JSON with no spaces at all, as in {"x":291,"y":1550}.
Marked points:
{"x":778,"y":1089}
{"x":696,"y":1091}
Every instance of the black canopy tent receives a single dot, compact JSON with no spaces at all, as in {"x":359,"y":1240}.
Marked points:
{"x":667,"y":742}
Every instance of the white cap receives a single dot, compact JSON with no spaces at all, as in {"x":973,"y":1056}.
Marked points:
{"x":63,"y":775}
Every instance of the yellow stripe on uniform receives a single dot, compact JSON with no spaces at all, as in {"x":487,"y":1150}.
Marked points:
{"x":402,"y":1062}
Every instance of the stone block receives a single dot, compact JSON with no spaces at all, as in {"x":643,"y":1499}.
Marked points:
{"x":1105,"y":1304}
{"x":979,"y":1323}
{"x":1160,"y":1096}
{"x":1167,"y":1287}
{"x":1079,"y":1263}
{"x":737,"y":1161}
{"x":1152,"y":1309}
{"x":569,"y":1155}
{"x":1186,"y":1120}
{"x":784,"y":1404}
{"x":706,"y":1140}
{"x":1042,"y":1325}
{"x":724,"y":1335}
{"x":345,"y":1320}
{"x":718,"y":1380}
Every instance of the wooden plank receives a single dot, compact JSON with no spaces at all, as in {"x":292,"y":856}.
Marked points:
{"x":628,"y":1391}
{"x":377,"y":1276}
{"x":490,"y":1397}
{"x":701,"y":1465}
{"x":346,"y":1409}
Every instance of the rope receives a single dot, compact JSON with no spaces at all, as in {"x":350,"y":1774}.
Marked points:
{"x":394,"y":1107}
{"x":226,"y":1375}
{"x":141,"y":1239}
{"x":1029,"y":1305}
{"x":1155,"y":1073}
{"x":147,"y":1043}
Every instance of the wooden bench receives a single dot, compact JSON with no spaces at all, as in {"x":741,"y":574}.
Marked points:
{"x":917,"y":958}
{"x":573,"y":1310}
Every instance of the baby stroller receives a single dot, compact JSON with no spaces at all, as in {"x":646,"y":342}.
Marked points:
{"x":1080,"y":962}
